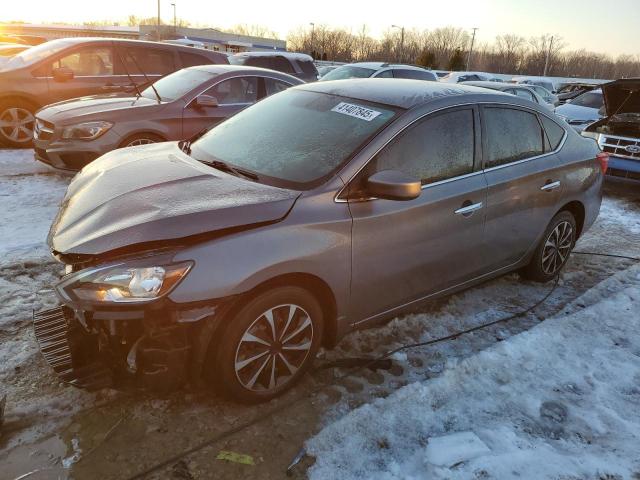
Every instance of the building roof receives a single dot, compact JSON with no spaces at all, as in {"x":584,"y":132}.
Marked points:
{"x":396,"y":92}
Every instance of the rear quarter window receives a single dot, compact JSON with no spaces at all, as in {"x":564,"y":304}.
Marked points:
{"x":307,"y":67}
{"x":555,"y":133}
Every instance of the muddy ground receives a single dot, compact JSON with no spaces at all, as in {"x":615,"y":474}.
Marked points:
{"x":57,"y":431}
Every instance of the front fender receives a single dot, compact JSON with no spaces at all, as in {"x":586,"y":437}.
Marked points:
{"x":313,"y":240}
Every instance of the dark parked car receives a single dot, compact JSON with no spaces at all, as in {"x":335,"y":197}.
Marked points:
{"x":572,"y":90}
{"x":524,"y":91}
{"x":76,"y":67}
{"x":300,"y":65}
{"x":618,"y":133}
{"x":317,"y":211}
{"x":71,"y":134}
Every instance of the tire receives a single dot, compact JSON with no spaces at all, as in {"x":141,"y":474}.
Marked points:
{"x":17,"y":121}
{"x":141,"y":139}
{"x":548,"y":259}
{"x":248,"y":365}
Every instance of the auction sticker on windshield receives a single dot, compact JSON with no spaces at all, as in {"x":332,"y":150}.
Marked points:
{"x":355,"y":111}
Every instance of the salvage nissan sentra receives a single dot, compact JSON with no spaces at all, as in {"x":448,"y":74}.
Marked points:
{"x":319,"y":210}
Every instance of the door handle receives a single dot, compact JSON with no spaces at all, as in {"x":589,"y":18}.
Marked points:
{"x":547,"y":187}
{"x":468,"y":209}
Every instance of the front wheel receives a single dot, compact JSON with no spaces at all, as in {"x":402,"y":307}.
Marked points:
{"x":553,"y":251}
{"x":269,"y":345}
{"x":17,"y":121}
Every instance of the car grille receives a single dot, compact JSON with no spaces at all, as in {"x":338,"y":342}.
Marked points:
{"x":43,"y":130}
{"x":620,"y":146}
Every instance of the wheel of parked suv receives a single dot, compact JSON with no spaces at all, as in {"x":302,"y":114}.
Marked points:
{"x":268,"y":345}
{"x":17,"y":122}
{"x":141,"y":139}
{"x":553,"y":251}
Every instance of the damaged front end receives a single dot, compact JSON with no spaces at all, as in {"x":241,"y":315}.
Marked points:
{"x":618,"y":133}
{"x":116,"y":328}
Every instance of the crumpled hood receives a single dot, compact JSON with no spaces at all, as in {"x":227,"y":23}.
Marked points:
{"x":97,"y":104}
{"x":622,"y":96}
{"x":154,"y":193}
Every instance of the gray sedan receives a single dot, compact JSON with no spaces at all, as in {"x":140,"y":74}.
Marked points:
{"x":69,"y":135}
{"x":315,"y":212}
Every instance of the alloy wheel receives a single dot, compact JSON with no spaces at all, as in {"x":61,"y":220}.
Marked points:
{"x":140,"y":141}
{"x":274,"y":348}
{"x":557,"y":248}
{"x":16,"y":124}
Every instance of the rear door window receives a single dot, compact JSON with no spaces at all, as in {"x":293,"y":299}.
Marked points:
{"x":262,"y":62}
{"x":274,"y":86}
{"x":239,"y":90}
{"x":192,"y":59}
{"x":510,"y":135}
{"x":149,"y":61}
{"x":282,"y":64}
{"x":88,"y":62}
{"x":412,"y":74}
{"x":437,"y":148}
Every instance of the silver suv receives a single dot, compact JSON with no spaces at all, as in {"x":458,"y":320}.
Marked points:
{"x":319,"y":210}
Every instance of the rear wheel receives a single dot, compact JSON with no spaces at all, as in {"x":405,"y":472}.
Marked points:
{"x":553,"y":251}
{"x":269,"y":345}
{"x":141,"y":139}
{"x":17,"y":121}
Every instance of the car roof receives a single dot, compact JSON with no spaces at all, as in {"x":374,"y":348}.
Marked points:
{"x":397,"y":92}
{"x":223,"y":68}
{"x":184,"y":48}
{"x":493,"y":85}
{"x":379,"y":65}
{"x":290,"y":55}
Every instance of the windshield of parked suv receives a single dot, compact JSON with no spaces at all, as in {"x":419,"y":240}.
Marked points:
{"x":347,"y":71}
{"x":295,"y":138}
{"x":177,"y":84}
{"x":589,"y":99}
{"x":37,"y":53}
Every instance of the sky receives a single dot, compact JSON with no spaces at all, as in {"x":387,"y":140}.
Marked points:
{"x":590,"y":24}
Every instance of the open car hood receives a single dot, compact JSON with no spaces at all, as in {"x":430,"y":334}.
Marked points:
{"x":622,"y":96}
{"x":156,"y":193}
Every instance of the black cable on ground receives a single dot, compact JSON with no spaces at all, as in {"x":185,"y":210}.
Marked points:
{"x":360,"y":363}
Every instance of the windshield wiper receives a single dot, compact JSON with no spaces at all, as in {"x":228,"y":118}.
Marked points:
{"x":225,"y":167}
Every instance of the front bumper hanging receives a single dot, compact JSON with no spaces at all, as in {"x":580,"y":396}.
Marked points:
{"x":52,"y":332}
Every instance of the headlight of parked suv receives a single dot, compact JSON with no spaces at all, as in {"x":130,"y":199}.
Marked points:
{"x":86,"y":131}
{"x":122,"y":283}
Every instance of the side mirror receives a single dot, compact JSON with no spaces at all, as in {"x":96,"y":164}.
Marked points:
{"x":206,"y":101}
{"x":62,"y":74}
{"x":393,"y":185}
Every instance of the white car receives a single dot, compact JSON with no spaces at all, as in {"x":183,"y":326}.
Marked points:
{"x":380,"y":70}
{"x":582,"y":110}
{"x":458,"y":77}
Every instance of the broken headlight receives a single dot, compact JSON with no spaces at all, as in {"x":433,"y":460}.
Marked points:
{"x":122,"y":283}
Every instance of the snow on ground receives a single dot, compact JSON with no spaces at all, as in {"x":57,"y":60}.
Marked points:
{"x":561,"y":400}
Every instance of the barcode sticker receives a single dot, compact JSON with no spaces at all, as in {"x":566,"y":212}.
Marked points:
{"x":356,"y":111}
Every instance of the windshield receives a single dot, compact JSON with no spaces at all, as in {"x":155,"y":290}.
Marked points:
{"x":341,"y":73}
{"x":295,"y":138}
{"x":37,"y":53}
{"x":178,"y":84}
{"x":589,"y":99}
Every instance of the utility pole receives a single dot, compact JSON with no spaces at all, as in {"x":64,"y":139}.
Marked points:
{"x":401,"y":41}
{"x":546,"y":61}
{"x":175,"y":23}
{"x":158,"y":24}
{"x":473,"y":39}
{"x":313,"y":29}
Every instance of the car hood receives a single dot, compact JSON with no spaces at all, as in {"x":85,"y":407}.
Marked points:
{"x":622,"y":96}
{"x":97,"y":104}
{"x":156,"y":193}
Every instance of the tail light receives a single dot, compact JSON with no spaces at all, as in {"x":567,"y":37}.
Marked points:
{"x":603,"y":158}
